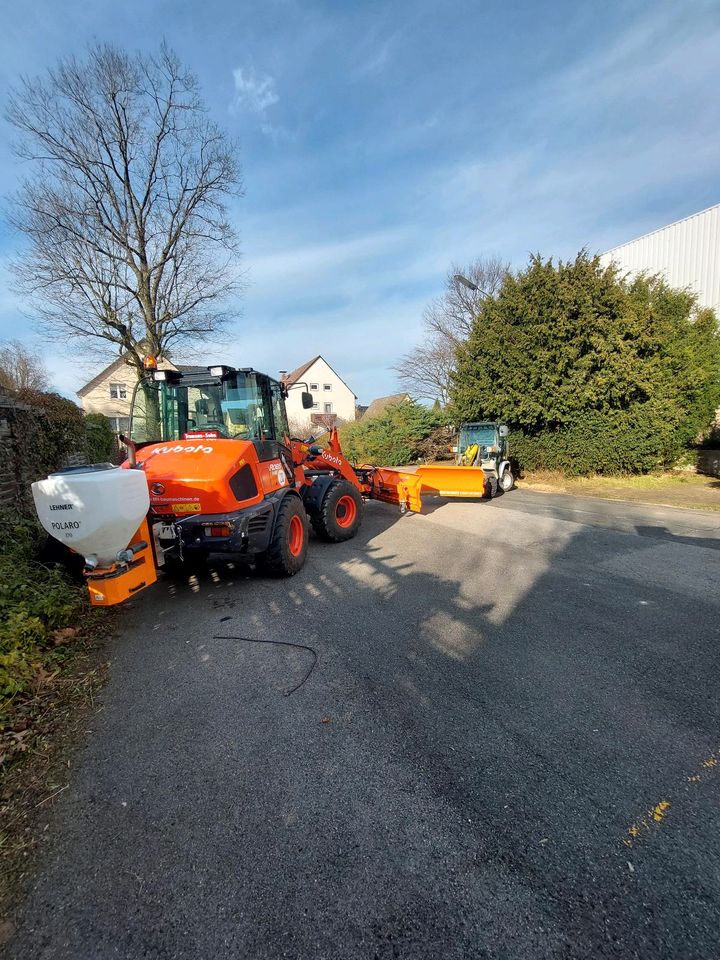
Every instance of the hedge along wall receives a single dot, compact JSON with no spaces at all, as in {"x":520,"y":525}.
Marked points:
{"x":39,"y":433}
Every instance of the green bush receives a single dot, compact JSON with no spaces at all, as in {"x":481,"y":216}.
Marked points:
{"x":594,"y":373}
{"x":394,"y":438}
{"x":100,"y":443}
{"x":35,"y":601}
{"x":617,"y":442}
{"x":53,"y":431}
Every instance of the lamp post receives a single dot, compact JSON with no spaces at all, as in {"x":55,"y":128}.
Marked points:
{"x":469,"y":284}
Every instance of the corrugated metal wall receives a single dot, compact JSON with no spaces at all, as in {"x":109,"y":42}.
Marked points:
{"x":687,"y":253}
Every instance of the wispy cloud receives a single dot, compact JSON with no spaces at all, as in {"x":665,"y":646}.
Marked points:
{"x":252,"y":91}
{"x":345,"y":254}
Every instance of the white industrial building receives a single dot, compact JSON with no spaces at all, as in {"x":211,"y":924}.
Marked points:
{"x":685,"y":253}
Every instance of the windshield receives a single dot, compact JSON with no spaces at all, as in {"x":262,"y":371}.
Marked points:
{"x":242,"y":406}
{"x":481,"y":433}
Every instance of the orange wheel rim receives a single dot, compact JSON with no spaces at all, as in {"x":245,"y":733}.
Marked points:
{"x":296,"y":536}
{"x":346,"y":511}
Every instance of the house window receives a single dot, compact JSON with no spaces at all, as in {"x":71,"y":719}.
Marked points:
{"x":120,"y":424}
{"x":313,"y":386}
{"x":118,"y":391}
{"x":328,"y":407}
{"x":327,"y":386}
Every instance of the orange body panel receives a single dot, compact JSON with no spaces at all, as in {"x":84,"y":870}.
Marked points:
{"x":272,"y":476}
{"x":193,"y":476}
{"x":115,"y":584}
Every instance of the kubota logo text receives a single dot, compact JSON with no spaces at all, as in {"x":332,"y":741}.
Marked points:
{"x":328,"y":456}
{"x":198,"y":449}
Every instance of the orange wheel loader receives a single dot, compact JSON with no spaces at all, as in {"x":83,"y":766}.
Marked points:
{"x":211,"y":469}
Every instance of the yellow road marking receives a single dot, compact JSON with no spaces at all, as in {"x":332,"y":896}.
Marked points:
{"x":655,"y":815}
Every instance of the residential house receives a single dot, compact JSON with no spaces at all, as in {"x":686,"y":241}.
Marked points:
{"x":111,"y":391}
{"x":380,"y":405}
{"x":333,"y":400}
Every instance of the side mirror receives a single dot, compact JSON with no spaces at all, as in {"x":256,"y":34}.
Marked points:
{"x":503,"y":430}
{"x":307,"y":400}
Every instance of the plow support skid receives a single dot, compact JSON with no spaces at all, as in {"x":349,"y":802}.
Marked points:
{"x":451,"y":481}
{"x":394,"y":486}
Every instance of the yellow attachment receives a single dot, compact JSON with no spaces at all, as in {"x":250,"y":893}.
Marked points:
{"x":395,"y":486}
{"x":468,"y":458}
{"x":450,"y":481}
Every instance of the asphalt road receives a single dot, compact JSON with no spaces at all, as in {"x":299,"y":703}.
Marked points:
{"x":507,"y":748}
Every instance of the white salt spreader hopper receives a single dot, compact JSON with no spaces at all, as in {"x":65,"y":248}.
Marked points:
{"x":100,"y":512}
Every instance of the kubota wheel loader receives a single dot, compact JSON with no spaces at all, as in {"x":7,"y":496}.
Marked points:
{"x":211,"y":469}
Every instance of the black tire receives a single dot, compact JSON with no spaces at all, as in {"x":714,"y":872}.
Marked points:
{"x":507,"y":481}
{"x":286,"y":553}
{"x":338,"y":519}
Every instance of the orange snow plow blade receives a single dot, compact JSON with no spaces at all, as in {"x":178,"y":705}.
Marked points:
{"x":394,"y":486}
{"x":451,"y":481}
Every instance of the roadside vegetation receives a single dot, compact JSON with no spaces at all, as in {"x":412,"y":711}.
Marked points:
{"x":403,"y":433}
{"x":51,"y":650}
{"x":594,"y":372}
{"x":42,"y":600}
{"x":51,"y":666}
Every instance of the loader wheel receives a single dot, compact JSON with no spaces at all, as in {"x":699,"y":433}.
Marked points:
{"x":507,"y":481}
{"x":340,"y":513}
{"x":288,"y":544}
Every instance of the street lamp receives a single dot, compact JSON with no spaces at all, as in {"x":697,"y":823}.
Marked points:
{"x":469,"y":284}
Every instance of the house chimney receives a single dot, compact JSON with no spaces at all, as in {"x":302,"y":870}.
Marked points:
{"x":283,"y":374}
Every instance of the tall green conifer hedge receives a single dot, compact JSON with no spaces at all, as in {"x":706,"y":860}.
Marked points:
{"x":593,"y":372}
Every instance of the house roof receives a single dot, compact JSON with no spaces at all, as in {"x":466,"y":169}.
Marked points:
{"x":290,"y":378}
{"x":120,"y":362}
{"x":91,"y":384}
{"x":381,"y":404}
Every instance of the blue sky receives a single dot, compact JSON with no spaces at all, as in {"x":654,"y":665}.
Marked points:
{"x":382,"y":141}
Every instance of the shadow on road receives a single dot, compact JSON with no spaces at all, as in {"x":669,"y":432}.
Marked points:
{"x":488,"y":719}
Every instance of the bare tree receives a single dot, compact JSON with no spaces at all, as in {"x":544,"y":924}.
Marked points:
{"x":125,"y":211}
{"x":425,"y":371}
{"x":21,"y":369}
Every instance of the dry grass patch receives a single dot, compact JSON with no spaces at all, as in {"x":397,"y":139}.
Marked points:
{"x":678,"y":488}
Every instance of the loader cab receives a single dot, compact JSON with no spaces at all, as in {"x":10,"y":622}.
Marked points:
{"x":485,"y":436}
{"x":216,"y":402}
